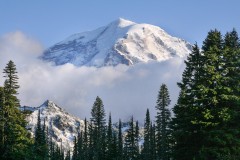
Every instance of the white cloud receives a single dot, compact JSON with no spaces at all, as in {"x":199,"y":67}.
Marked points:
{"x":125,"y":91}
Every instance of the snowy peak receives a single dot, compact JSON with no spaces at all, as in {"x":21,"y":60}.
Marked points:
{"x":120,"y":22}
{"x":62,"y":126}
{"x":120,"y":42}
{"x":48,"y":104}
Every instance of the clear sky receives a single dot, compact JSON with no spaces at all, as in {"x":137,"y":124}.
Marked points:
{"x":50,"y":21}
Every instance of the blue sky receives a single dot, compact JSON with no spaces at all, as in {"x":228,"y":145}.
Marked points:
{"x":52,"y":21}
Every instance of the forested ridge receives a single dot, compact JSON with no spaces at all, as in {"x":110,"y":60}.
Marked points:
{"x":204,"y":124}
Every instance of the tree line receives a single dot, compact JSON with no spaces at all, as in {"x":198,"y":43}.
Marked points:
{"x":205,"y":124}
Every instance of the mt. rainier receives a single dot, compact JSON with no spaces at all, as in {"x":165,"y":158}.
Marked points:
{"x":120,"y":42}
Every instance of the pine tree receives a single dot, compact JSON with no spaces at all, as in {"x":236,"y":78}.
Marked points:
{"x":41,"y":150}
{"x":163,"y":123}
{"x":99,"y":128}
{"x":80,"y":147}
{"x":85,"y":141}
{"x":120,"y":140}
{"x":137,"y":140}
{"x":110,"y":141}
{"x":146,"y":152}
{"x":11,"y":84}
{"x":75,"y":149}
{"x":91,"y":147}
{"x":16,"y":140}
{"x":186,"y":131}
{"x":130,"y":145}
{"x":207,"y":107}
{"x":153,"y":151}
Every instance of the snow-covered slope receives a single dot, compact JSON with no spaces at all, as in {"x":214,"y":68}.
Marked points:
{"x":62,"y":126}
{"x":120,"y":42}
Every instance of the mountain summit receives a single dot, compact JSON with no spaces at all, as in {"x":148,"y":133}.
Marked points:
{"x":120,"y":42}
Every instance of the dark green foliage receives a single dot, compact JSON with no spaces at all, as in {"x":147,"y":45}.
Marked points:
{"x":153,"y":151}
{"x":131,"y":150}
{"x":78,"y":152}
{"x":163,"y":123}
{"x":120,"y":140}
{"x":41,"y":150}
{"x":15,"y":140}
{"x":188,"y":108}
{"x":98,"y":132}
{"x":85,"y":141}
{"x":146,"y":152}
{"x":111,"y":152}
{"x":75,"y":149}
{"x":11,"y":84}
{"x":207,"y":113}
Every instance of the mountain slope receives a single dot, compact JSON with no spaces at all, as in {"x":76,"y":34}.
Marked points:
{"x":120,"y":42}
{"x":62,"y":126}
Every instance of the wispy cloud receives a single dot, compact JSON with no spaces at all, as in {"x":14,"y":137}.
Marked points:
{"x":124,"y":90}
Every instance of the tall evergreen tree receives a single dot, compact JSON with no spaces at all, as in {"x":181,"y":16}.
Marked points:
{"x":41,"y":150}
{"x":80,"y":155}
{"x":99,"y":128}
{"x":209,"y":101}
{"x":216,"y":114}
{"x":110,"y":141}
{"x":120,"y":140}
{"x":163,"y":123}
{"x":146,"y":151}
{"x":11,"y":84}
{"x":130,"y":146}
{"x":16,"y":140}
{"x":75,"y":149}
{"x":186,"y":132}
{"x":85,"y":141}
{"x":153,"y":151}
{"x":137,"y":140}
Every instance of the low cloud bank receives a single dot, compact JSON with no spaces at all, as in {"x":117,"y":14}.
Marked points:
{"x":125,"y":91}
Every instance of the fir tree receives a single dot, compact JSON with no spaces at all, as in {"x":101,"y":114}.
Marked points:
{"x":120,"y":140}
{"x":99,"y":125}
{"x":137,"y":140}
{"x":130,"y":145}
{"x":15,"y":141}
{"x":153,"y":151}
{"x":163,"y":123}
{"x":85,"y":141}
{"x":110,"y":141}
{"x":80,"y":147}
{"x":41,"y":143}
{"x":146,"y":152}
{"x":186,"y":131}
{"x":209,"y":101}
{"x":11,"y":84}
{"x":75,"y":149}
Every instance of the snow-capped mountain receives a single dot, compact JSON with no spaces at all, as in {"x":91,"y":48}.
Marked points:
{"x":120,"y":42}
{"x":62,"y":126}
